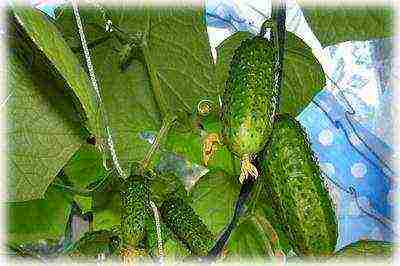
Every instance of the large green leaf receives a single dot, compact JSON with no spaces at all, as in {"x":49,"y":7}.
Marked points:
{"x":249,"y":242}
{"x":85,"y":166}
{"x":213,"y":199}
{"x":38,"y":219}
{"x":303,"y":76}
{"x":48,"y":40}
{"x":43,"y":130}
{"x":332,"y":25}
{"x":260,"y":206}
{"x":106,"y":206}
{"x":175,"y":73}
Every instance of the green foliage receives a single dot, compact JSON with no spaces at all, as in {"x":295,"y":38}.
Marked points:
{"x":155,"y":64}
{"x":48,"y":40}
{"x":298,"y":194}
{"x":39,"y":219}
{"x":303,"y":76}
{"x":187,"y":225}
{"x":367,"y":249}
{"x":168,"y":74}
{"x":249,"y":241}
{"x":332,"y":25}
{"x":93,"y":243}
{"x":44,"y":128}
{"x":85,"y":167}
{"x":213,"y":199}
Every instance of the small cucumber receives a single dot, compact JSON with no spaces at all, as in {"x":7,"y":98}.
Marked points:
{"x":299,"y":197}
{"x":250,"y":100}
{"x":187,"y":225}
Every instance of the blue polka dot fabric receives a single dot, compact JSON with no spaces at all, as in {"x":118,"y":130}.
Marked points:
{"x":352,"y":139}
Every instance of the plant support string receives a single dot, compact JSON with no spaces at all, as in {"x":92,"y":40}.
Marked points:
{"x":110,"y":142}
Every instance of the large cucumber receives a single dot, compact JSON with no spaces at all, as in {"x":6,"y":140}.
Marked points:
{"x":187,"y":225}
{"x":299,"y":196}
{"x":250,"y":99}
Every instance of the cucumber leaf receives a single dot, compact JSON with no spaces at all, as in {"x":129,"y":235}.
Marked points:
{"x":43,"y":130}
{"x":213,"y":199}
{"x":49,"y":41}
{"x":85,"y":167}
{"x":38,"y":219}
{"x":174,"y":73}
{"x":303,"y":76}
{"x":332,"y":25}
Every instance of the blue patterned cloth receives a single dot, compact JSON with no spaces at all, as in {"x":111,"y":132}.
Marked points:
{"x":349,"y":123}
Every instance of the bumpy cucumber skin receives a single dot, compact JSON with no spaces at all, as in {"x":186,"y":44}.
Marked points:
{"x":303,"y":204}
{"x":250,"y":99}
{"x":134,"y":199}
{"x":364,"y":248}
{"x":187,"y":226}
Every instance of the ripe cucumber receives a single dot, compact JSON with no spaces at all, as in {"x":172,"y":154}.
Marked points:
{"x":250,"y":99}
{"x":187,"y":225}
{"x":299,"y":196}
{"x":134,"y":203}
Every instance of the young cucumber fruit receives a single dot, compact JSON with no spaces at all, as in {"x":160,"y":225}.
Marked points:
{"x":250,"y":100}
{"x":299,"y":196}
{"x":187,"y":225}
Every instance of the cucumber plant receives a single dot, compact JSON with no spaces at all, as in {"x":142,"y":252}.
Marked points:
{"x":149,"y":82}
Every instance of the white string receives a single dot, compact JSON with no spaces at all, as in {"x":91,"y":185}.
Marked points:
{"x":158,"y":230}
{"x":96,"y":88}
{"x":109,"y":139}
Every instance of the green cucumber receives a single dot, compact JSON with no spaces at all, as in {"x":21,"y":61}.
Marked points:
{"x":250,"y":99}
{"x":187,"y":225}
{"x":134,"y":204}
{"x":299,"y":196}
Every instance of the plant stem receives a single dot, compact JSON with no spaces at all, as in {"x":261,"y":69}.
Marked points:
{"x":166,"y":126}
{"x":280,"y":16}
{"x":168,"y":119}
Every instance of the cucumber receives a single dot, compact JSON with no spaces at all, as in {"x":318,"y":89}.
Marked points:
{"x":134,"y":203}
{"x":299,"y":196}
{"x":250,"y":100}
{"x":366,"y":248}
{"x":187,"y":225}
